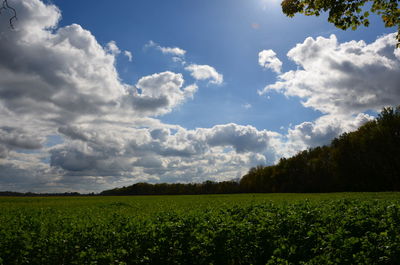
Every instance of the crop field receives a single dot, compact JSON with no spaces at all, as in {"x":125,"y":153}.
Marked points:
{"x":337,"y":228}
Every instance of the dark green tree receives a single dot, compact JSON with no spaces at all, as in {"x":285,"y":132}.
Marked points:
{"x":347,"y":13}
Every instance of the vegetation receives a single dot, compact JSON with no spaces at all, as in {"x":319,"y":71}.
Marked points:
{"x":364,"y":160}
{"x":348,"y":13}
{"x":342,"y":228}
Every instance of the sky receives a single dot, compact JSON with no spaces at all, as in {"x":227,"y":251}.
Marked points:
{"x":96,"y":95}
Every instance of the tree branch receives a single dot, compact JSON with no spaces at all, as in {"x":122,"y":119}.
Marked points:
{"x":5,"y":6}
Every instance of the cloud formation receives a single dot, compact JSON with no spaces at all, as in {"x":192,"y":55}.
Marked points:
{"x":160,"y":153}
{"x":68,"y":122}
{"x":159,"y":93}
{"x":340,"y":78}
{"x":205,"y":72}
{"x":268,"y":59}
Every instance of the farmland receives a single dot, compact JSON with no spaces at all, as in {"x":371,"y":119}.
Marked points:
{"x":337,"y":228}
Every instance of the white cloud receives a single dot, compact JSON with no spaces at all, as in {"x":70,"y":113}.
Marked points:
{"x":268,"y":59}
{"x":113,"y":48}
{"x":343,"y":78}
{"x":204,"y":72}
{"x":60,"y":76}
{"x":160,"y":93}
{"x":167,"y":50}
{"x":129,"y":55}
{"x":174,"y":51}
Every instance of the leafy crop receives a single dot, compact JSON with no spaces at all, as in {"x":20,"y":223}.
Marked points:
{"x":235,"y":229}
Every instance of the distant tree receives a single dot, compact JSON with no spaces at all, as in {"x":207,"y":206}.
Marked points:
{"x":347,"y":13}
{"x":7,"y":8}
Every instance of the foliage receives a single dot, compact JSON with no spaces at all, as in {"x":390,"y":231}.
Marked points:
{"x":364,"y":160}
{"x":234,"y":229}
{"x":348,"y":13}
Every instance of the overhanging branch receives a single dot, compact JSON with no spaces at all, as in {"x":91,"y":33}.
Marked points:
{"x":6,"y":7}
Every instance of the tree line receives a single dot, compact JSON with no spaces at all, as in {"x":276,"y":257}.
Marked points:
{"x":207,"y":187}
{"x":367,"y":159}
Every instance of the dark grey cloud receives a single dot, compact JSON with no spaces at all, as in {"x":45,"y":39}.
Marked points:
{"x":241,"y":138}
{"x":18,"y":138}
{"x":156,"y":153}
{"x":72,"y":160}
{"x":149,"y":162}
{"x":160,"y":134}
{"x":74,"y":133}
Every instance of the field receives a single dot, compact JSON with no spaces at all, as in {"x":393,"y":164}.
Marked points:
{"x":337,"y":228}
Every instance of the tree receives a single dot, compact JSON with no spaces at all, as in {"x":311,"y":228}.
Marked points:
{"x":7,"y":8}
{"x":347,"y":13}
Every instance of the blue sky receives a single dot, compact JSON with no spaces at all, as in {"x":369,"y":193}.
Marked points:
{"x":79,"y":114}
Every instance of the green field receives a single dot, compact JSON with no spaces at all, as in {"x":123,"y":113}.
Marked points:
{"x":337,"y":228}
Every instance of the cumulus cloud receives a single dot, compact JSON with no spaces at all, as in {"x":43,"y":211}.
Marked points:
{"x":167,"y":50}
{"x":349,"y":77}
{"x":159,"y":93}
{"x":56,"y":75}
{"x":68,"y":122}
{"x":204,"y":72}
{"x":64,"y":75}
{"x":268,"y":59}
